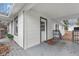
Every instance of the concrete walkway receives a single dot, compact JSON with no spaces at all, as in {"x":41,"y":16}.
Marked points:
{"x":62,"y":48}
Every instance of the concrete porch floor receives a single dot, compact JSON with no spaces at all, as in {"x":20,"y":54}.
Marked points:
{"x":62,"y":48}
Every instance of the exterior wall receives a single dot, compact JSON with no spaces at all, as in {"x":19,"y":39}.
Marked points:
{"x":32,"y":28}
{"x":25,"y":30}
{"x":29,"y":28}
{"x":19,"y":38}
{"x":9,"y":28}
{"x":20,"y":29}
{"x":15,"y":37}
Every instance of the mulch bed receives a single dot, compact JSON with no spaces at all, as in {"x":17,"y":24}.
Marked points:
{"x":4,"y":49}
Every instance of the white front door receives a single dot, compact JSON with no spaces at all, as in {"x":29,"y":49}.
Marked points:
{"x":43,"y":30}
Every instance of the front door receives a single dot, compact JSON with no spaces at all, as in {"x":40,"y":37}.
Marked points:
{"x":43,"y":29}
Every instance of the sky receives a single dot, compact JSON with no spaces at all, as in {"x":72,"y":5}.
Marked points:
{"x":5,"y":8}
{"x":72,"y":21}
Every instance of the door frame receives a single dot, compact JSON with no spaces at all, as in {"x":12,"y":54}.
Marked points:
{"x":46,"y":28}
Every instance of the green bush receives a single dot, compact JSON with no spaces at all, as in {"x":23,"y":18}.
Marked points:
{"x":10,"y":36}
{"x":66,"y":24}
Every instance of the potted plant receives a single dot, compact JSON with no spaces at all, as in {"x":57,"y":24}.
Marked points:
{"x":65,"y":24}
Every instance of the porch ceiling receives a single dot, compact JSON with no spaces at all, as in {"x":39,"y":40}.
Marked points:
{"x":58,"y":10}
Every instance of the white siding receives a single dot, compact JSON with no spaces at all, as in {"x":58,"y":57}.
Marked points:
{"x":29,"y":28}
{"x":33,"y":28}
{"x":9,"y":28}
{"x":20,"y":29}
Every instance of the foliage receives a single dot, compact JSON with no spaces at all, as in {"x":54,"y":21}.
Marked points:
{"x":65,"y":24}
{"x":10,"y":36}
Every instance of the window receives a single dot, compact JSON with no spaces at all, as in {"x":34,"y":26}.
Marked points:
{"x":16,"y":25}
{"x":42,"y":26}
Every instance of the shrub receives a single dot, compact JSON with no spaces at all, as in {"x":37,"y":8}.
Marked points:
{"x":10,"y":36}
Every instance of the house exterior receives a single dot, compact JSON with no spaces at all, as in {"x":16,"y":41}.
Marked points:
{"x":36,"y":27}
{"x":25,"y":26}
